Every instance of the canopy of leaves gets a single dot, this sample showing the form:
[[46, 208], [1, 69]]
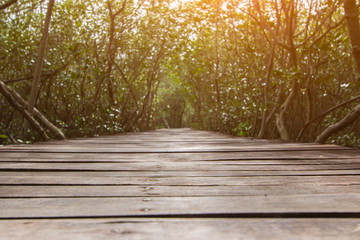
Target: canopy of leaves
[[133, 65]]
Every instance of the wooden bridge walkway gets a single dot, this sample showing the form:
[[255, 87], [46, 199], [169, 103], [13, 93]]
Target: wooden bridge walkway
[[178, 184]]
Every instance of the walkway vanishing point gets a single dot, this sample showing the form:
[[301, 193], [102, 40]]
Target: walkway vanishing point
[[178, 184]]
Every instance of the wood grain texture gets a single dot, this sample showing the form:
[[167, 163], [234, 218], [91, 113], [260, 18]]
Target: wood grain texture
[[173, 206], [136, 186], [194, 229], [340, 155], [41, 191]]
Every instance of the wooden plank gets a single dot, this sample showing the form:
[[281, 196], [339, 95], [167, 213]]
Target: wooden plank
[[193, 173], [170, 149], [171, 166], [175, 173], [41, 191], [210, 162], [167, 143], [241, 159], [156, 206], [165, 229], [89, 179], [103, 157]]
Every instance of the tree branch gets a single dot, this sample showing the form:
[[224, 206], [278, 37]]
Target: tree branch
[[326, 113], [7, 4], [37, 114], [50, 74], [23, 111], [266, 26], [349, 119]]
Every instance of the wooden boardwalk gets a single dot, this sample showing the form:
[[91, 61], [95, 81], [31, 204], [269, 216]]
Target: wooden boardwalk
[[178, 184]]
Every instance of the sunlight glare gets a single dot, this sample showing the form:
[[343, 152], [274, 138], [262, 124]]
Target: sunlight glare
[[177, 3]]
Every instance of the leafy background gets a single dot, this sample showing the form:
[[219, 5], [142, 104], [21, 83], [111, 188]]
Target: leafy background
[[160, 63]]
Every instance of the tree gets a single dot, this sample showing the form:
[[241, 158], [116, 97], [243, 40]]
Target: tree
[[294, 38], [111, 50], [352, 20], [39, 63]]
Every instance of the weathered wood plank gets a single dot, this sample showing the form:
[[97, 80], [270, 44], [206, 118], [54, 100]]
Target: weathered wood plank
[[41, 191], [190, 148], [246, 158], [192, 173], [204, 156], [178, 172], [171, 166], [89, 179], [165, 229], [130, 206], [166, 141]]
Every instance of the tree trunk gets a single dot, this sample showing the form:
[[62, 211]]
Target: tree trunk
[[216, 73], [346, 121], [322, 115], [280, 118], [352, 21], [38, 116], [266, 92], [111, 52], [39, 63], [23, 111]]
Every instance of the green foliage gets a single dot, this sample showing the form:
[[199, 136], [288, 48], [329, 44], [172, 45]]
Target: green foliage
[[348, 140], [4, 139], [200, 64], [242, 130]]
